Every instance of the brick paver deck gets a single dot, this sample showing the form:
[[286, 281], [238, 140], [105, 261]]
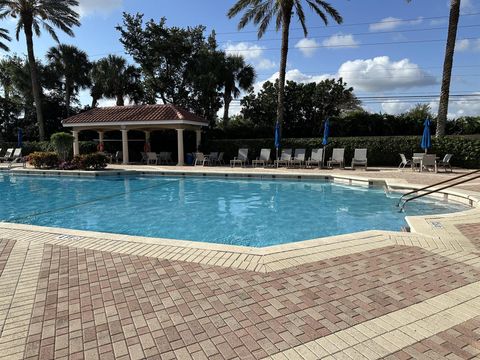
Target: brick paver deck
[[73, 295]]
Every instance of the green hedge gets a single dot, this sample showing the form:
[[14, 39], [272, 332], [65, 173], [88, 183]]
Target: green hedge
[[86, 147], [382, 151]]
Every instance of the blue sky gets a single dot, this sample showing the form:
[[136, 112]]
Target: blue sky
[[392, 50]]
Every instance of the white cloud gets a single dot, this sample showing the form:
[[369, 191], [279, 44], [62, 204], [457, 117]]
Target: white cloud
[[308, 47], [341, 41], [395, 107], [247, 50], [294, 75], [265, 64], [91, 7], [467, 45], [382, 74], [465, 5], [391, 23]]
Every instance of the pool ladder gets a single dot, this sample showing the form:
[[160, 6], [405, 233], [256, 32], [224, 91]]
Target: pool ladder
[[404, 200]]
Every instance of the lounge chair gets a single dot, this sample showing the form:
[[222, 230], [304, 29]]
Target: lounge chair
[[144, 158], [263, 159], [16, 157], [213, 157], [430, 161], [152, 158], [316, 158], [285, 158], [359, 158], [118, 157], [446, 162], [241, 159], [8, 155], [337, 158], [405, 162], [200, 158], [220, 160], [299, 158]]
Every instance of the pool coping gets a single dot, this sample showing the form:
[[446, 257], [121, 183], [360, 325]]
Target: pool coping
[[433, 232]]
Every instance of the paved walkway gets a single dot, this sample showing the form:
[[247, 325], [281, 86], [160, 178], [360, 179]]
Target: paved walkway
[[374, 295]]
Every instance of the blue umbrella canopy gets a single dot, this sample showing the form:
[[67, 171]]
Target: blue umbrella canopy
[[326, 132], [277, 135], [20, 138], [427, 137]]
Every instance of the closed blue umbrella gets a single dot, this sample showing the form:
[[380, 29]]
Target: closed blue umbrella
[[326, 134], [426, 138], [19, 138], [277, 137]]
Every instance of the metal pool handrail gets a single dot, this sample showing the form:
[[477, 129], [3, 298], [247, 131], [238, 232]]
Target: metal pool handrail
[[405, 201]]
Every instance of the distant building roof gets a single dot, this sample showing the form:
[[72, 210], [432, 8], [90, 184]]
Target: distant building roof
[[135, 114]]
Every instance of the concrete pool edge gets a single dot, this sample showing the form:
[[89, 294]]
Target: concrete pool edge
[[434, 232]]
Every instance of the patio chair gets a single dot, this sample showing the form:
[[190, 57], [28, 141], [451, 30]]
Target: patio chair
[[285, 158], [16, 157], [405, 162], [118, 156], [220, 160], [417, 160], [144, 158], [316, 158], [200, 158], [430, 161], [152, 158], [338, 156], [213, 157], [263, 159], [360, 158], [299, 158], [446, 162], [8, 155], [241, 159]]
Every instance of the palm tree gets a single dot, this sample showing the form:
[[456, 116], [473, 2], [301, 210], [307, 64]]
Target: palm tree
[[112, 77], [31, 16], [447, 67], [261, 13], [237, 76], [72, 64], [4, 36]]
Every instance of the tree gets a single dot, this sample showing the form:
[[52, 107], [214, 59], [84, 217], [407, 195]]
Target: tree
[[112, 77], [237, 76], [31, 16], [261, 13], [447, 67], [4, 35], [73, 66]]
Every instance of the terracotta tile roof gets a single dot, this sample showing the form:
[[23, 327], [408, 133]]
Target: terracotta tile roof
[[134, 113]]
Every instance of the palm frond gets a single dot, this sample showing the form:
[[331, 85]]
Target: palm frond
[[301, 16]]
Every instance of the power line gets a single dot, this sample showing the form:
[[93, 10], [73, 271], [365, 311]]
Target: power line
[[352, 24]]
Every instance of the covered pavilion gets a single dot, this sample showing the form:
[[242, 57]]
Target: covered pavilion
[[146, 118]]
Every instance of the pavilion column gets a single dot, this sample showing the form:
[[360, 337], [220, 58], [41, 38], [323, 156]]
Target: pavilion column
[[181, 154], [199, 138], [147, 147], [125, 145], [100, 141], [76, 143]]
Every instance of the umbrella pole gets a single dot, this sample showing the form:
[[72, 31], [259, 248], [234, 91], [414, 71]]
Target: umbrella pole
[[277, 157]]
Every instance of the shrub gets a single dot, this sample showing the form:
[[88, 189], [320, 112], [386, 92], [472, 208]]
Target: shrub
[[382, 151], [95, 161], [62, 143], [43, 160]]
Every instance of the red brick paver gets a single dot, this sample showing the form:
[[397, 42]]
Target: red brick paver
[[471, 232], [93, 304], [6, 247], [459, 342]]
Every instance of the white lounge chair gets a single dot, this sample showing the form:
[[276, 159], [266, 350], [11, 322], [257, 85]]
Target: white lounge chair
[[200, 158], [338, 158], [285, 158], [360, 158], [152, 158], [8, 155], [241, 159], [316, 158], [404, 162], [446, 162], [213, 157], [16, 158], [299, 158], [220, 160], [263, 159], [430, 161], [144, 158]]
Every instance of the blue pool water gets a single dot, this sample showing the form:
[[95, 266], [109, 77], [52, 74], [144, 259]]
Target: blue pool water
[[241, 212]]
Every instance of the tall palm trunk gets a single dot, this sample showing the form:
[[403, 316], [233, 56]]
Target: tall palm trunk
[[35, 83], [68, 96], [227, 99], [120, 101], [447, 67], [286, 18]]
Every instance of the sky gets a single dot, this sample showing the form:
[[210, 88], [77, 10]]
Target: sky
[[388, 51]]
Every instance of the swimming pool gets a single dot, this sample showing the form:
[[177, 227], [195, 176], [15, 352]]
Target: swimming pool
[[249, 212]]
